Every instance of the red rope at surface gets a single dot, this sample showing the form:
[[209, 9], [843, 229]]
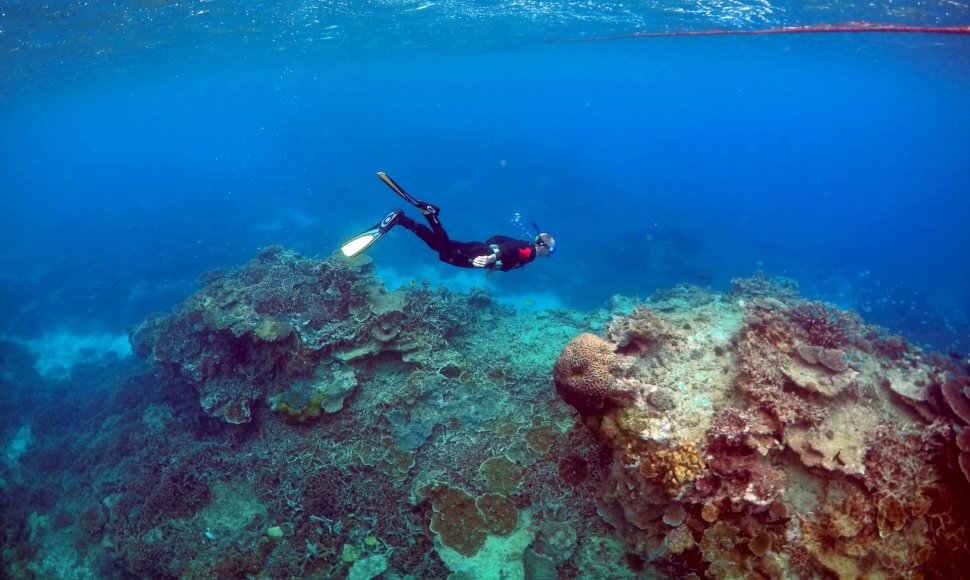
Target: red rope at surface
[[852, 27]]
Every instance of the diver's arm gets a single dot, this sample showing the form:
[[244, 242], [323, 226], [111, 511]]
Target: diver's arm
[[484, 261], [489, 260]]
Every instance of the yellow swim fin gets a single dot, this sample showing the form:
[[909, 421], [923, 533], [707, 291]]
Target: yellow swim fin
[[366, 238]]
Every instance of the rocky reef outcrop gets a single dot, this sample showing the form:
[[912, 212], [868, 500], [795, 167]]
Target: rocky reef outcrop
[[757, 434], [287, 329], [295, 418]]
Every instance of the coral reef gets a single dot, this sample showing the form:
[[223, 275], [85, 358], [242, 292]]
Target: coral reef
[[585, 374], [283, 320], [463, 522], [757, 424], [296, 419]]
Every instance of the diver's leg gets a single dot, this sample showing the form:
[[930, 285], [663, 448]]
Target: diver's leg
[[441, 236], [435, 237], [425, 207]]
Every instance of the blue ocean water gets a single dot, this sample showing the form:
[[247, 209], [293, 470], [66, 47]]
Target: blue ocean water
[[293, 420], [144, 144]]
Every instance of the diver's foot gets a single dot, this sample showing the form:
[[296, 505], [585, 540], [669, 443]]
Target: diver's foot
[[366, 238], [423, 207], [390, 220]]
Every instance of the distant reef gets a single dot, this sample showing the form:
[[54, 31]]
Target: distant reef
[[295, 418]]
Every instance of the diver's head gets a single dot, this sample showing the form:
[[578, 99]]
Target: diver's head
[[545, 245]]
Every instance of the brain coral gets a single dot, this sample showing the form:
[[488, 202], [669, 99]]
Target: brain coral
[[585, 373]]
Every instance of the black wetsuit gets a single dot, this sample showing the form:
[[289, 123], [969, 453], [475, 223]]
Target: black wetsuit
[[512, 253]]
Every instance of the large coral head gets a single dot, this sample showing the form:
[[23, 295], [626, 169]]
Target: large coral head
[[586, 374]]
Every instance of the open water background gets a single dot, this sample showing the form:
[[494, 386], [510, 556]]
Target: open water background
[[143, 143]]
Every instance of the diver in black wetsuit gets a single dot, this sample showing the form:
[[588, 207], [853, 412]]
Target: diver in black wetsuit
[[497, 252]]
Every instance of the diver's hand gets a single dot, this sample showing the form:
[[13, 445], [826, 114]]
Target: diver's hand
[[484, 261]]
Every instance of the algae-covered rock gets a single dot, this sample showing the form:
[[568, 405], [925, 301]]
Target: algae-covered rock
[[367, 568], [326, 391]]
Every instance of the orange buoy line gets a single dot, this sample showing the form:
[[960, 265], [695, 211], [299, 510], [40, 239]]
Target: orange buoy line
[[852, 27]]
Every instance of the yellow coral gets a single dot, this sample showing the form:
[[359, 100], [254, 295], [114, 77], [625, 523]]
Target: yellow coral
[[673, 467], [299, 413], [271, 329]]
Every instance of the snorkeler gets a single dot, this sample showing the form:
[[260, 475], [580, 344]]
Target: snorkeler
[[497, 252]]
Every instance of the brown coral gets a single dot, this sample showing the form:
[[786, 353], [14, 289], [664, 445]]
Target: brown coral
[[541, 438], [721, 547], [499, 514], [760, 543], [679, 540], [457, 521], [237, 413], [92, 523], [955, 391], [573, 470], [832, 358], [825, 325], [585, 373], [501, 475], [761, 361], [463, 522], [748, 480], [891, 516]]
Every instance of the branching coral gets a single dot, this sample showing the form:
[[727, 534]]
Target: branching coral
[[825, 325], [762, 379], [763, 285], [746, 482], [896, 461]]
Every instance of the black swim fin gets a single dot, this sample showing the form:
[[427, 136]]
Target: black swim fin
[[366, 238], [424, 207]]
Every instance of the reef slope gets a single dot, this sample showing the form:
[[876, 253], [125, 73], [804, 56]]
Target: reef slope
[[295, 418]]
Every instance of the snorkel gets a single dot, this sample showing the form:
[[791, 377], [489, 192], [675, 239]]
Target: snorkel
[[544, 239]]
